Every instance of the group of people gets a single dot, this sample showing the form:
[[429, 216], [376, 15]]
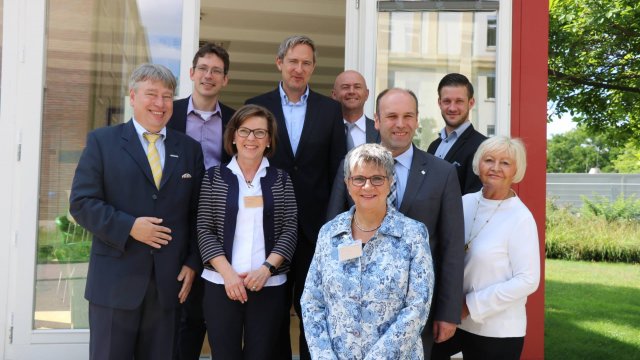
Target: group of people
[[208, 220]]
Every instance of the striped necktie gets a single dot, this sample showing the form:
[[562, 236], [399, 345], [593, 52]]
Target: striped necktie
[[154, 157], [350, 144], [392, 199]]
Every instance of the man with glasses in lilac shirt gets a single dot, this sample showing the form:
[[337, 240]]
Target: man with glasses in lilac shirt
[[203, 117]]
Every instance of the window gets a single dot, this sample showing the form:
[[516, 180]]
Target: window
[[491, 87], [492, 27]]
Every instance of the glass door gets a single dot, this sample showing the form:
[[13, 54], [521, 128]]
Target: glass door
[[87, 51]]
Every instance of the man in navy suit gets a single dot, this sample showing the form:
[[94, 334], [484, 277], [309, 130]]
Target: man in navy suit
[[203, 117], [136, 189], [350, 90], [458, 141], [427, 191], [311, 143]]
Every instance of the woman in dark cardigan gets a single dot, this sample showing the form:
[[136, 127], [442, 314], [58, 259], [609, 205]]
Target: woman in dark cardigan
[[247, 223]]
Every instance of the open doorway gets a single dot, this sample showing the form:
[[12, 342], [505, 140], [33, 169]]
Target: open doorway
[[251, 32]]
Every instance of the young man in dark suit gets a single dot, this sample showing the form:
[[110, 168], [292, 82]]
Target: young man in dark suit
[[350, 90], [311, 144], [203, 117], [458, 141], [136, 189], [427, 191]]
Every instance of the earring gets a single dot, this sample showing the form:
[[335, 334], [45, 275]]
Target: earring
[[268, 146], [234, 143]]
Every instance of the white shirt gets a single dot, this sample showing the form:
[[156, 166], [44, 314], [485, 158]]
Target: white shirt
[[402, 167], [359, 131], [501, 267], [145, 144], [248, 242]]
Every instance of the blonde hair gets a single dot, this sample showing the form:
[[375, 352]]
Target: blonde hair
[[513, 147]]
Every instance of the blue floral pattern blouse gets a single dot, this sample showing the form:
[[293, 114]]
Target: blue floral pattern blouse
[[373, 306]]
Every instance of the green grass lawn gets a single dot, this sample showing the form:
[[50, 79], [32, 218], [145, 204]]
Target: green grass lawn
[[592, 310]]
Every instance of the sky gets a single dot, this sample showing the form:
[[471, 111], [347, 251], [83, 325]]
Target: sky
[[560, 125]]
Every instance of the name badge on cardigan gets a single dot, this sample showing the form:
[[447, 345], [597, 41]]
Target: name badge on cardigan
[[350, 251], [253, 201]]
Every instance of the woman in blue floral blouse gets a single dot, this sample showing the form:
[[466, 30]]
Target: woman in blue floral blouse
[[369, 287]]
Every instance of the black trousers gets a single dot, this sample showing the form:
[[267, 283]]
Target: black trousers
[[191, 327], [301, 263], [476, 347], [243, 331], [146, 332]]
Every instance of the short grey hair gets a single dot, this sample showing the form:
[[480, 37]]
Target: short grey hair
[[371, 154], [153, 72], [293, 41], [513, 147]]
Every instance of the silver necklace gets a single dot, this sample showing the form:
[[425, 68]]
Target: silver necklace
[[249, 184], [355, 220], [473, 223]]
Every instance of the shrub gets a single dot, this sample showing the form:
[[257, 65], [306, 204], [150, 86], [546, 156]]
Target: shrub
[[593, 236]]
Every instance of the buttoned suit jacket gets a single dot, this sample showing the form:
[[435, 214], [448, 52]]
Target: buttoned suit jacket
[[313, 167], [461, 155], [178, 121], [432, 196], [112, 186]]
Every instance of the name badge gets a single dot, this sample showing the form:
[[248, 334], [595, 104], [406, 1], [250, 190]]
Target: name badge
[[350, 251], [253, 201]]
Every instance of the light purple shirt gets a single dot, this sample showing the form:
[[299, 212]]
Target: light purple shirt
[[206, 128]]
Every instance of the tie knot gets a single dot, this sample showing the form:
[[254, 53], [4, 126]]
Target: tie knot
[[151, 138], [349, 125]]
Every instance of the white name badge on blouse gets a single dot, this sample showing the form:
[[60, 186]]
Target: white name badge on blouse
[[350, 251], [253, 201]]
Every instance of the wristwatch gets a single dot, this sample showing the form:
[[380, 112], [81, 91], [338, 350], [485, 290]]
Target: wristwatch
[[272, 269]]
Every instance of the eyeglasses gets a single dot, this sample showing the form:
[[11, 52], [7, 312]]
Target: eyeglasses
[[375, 180], [258, 133], [213, 71]]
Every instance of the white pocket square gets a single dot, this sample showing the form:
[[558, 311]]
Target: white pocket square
[[186, 176]]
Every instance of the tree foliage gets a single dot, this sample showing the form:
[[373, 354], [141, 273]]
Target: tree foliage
[[577, 152], [594, 65]]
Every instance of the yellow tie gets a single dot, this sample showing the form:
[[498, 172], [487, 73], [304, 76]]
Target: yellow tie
[[154, 157]]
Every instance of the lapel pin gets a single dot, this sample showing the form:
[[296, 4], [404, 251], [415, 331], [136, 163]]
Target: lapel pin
[[423, 172], [186, 175]]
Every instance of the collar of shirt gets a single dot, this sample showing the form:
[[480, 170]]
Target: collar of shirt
[[388, 226], [285, 98], [140, 130], [235, 168], [360, 123], [455, 134], [192, 109], [405, 158]]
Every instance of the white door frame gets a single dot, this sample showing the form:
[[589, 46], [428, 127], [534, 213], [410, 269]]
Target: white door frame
[[23, 81]]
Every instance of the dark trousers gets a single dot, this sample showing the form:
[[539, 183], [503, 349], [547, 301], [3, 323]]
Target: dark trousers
[[191, 327], [301, 262], [146, 332], [476, 347], [243, 331], [427, 337]]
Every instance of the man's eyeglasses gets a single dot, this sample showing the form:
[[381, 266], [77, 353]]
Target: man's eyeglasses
[[258, 133], [375, 180], [213, 71]]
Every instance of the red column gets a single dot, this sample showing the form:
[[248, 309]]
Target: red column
[[528, 121]]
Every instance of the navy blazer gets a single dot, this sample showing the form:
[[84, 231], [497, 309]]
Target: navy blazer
[[432, 197], [372, 134], [461, 155], [113, 186], [313, 168], [178, 121]]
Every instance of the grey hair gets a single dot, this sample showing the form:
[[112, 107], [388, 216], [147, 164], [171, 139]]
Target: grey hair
[[513, 147], [153, 72], [293, 41], [371, 154]]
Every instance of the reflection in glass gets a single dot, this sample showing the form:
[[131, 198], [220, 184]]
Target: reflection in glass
[[417, 48], [92, 46]]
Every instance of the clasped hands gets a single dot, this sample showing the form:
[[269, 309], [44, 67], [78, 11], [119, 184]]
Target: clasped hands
[[236, 285]]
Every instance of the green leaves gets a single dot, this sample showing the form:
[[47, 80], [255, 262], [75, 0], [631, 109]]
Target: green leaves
[[594, 64]]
